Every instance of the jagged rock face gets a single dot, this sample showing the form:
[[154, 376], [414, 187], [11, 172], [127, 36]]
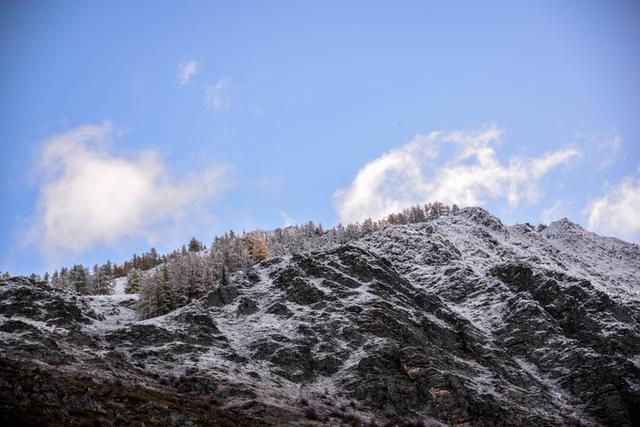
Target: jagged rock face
[[459, 321]]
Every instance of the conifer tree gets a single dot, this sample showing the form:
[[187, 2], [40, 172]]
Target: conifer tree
[[167, 297], [79, 280], [188, 273], [195, 245], [63, 279], [133, 282], [149, 301], [101, 281]]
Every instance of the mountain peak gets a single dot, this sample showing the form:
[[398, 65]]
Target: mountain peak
[[455, 320], [482, 217]]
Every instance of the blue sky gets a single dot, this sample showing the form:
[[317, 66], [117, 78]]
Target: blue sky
[[192, 118]]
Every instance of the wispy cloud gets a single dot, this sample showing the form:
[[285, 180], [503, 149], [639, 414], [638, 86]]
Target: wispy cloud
[[553, 212], [608, 148], [616, 213], [216, 95], [90, 196], [186, 70], [286, 219], [602, 148], [414, 173]]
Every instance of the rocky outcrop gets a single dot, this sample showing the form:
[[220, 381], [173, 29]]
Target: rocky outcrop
[[460, 321]]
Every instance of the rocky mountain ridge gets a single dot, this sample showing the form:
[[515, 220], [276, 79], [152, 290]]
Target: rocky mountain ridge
[[456, 321]]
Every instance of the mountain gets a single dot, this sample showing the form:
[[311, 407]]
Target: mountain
[[456, 321]]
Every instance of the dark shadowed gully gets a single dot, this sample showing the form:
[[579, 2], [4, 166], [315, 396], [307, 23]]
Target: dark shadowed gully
[[458, 321]]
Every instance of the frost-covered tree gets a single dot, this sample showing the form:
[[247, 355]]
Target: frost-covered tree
[[150, 259], [438, 209], [79, 280], [133, 282], [229, 252], [416, 214], [101, 280], [151, 300], [155, 297], [239, 258], [167, 293], [108, 268], [188, 277], [61, 280], [275, 242], [195, 245], [55, 279]]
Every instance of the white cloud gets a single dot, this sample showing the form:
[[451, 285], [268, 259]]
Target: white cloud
[[90, 196], [617, 212], [216, 96], [410, 175], [186, 70]]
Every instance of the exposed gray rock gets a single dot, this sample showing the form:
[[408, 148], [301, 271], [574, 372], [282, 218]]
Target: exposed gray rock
[[221, 296], [247, 306]]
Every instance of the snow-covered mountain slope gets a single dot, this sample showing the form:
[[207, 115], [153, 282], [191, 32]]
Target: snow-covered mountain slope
[[118, 285], [458, 321]]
